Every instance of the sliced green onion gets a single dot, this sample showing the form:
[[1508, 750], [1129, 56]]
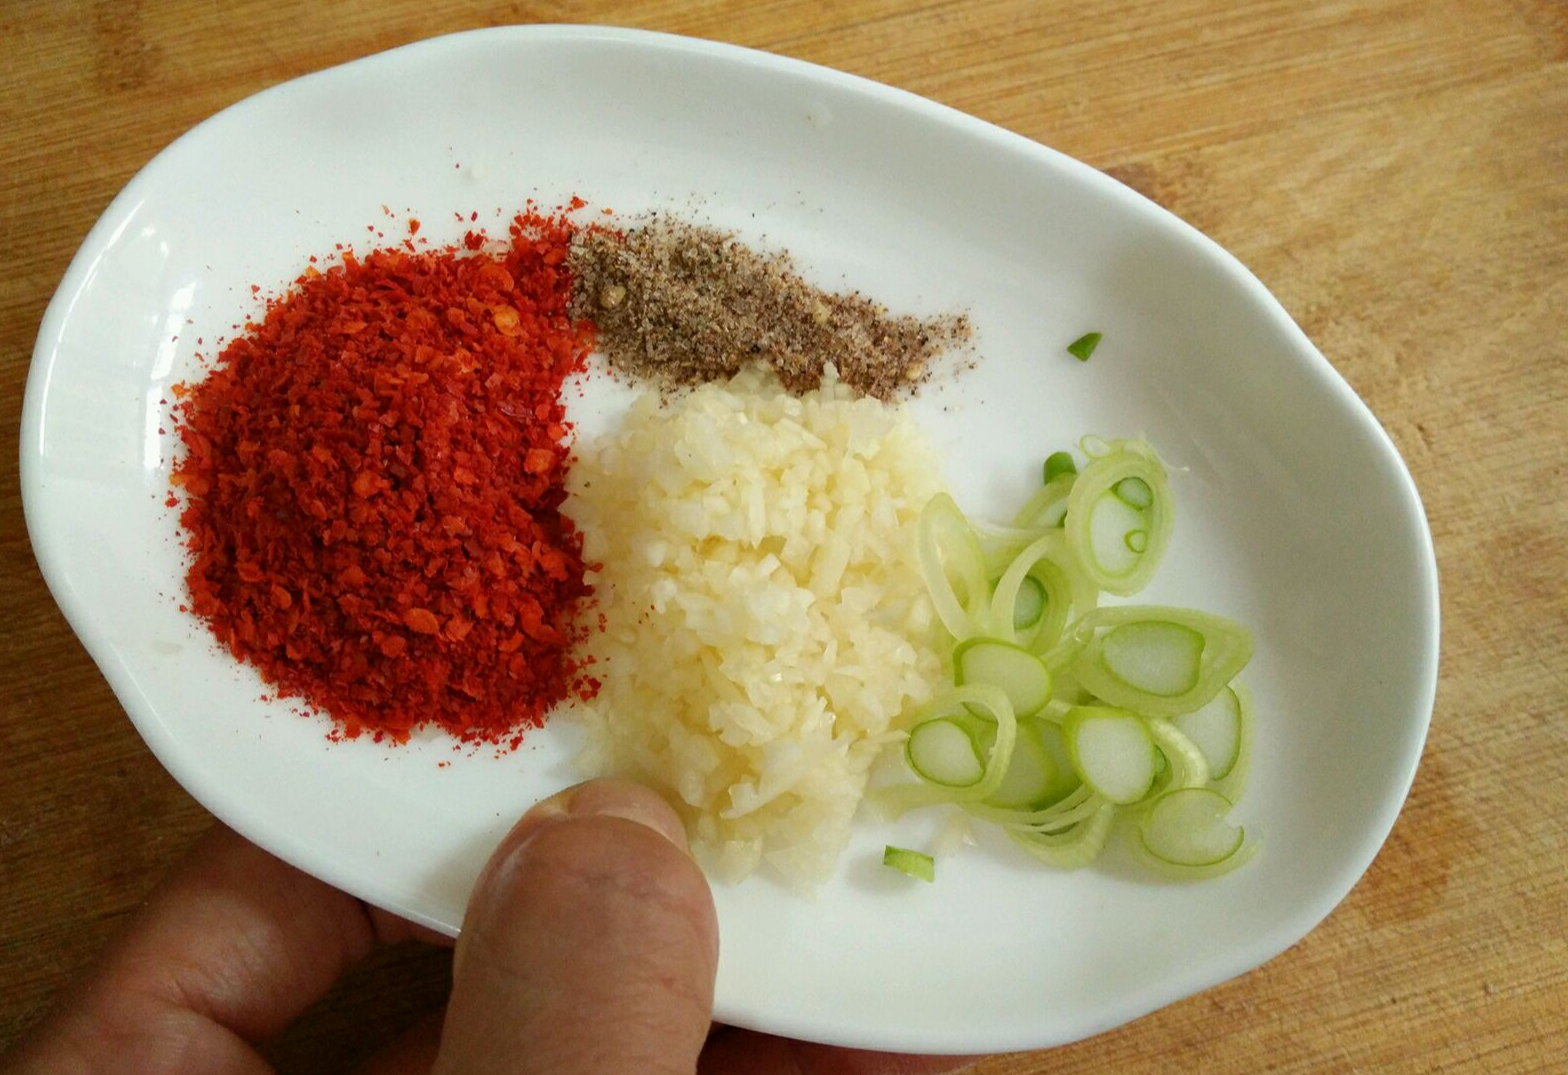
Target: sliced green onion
[[948, 548], [916, 864], [1095, 446], [1047, 508], [1187, 827], [1058, 463], [1057, 708], [1157, 656], [1074, 848], [1066, 812], [1058, 727], [1233, 783], [1020, 674], [1041, 773], [1110, 522], [1175, 662], [1142, 856], [1111, 750], [1000, 553], [1004, 729], [1185, 765], [945, 751], [1123, 491], [1084, 345], [1216, 729], [1060, 816], [1030, 605], [1067, 592], [1060, 657]]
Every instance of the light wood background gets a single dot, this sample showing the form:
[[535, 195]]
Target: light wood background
[[1396, 172]]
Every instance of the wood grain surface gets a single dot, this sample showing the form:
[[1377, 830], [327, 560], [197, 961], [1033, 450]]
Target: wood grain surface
[[1397, 173]]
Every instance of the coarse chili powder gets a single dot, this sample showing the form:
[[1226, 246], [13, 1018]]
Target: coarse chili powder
[[373, 481]]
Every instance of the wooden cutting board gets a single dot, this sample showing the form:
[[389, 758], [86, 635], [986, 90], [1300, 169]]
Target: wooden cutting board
[[1397, 173]]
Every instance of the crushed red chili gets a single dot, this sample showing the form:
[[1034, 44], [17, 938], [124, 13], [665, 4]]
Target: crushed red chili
[[373, 482]]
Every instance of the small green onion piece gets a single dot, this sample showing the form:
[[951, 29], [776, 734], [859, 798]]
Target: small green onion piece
[[1030, 604], [1187, 827], [1084, 346], [916, 864], [1135, 491], [1059, 463], [1137, 540]]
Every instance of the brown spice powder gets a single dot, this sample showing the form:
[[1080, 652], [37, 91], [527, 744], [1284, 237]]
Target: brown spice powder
[[682, 304]]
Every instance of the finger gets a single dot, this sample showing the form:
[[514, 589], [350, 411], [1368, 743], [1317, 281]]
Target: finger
[[590, 945], [229, 948], [740, 1052]]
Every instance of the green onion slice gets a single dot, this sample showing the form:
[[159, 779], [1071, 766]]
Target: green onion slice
[[1029, 605], [1120, 516], [1058, 463], [916, 864], [1047, 508], [1040, 775], [1084, 345], [1216, 729], [1063, 814], [1187, 828], [1074, 848], [1157, 660], [1020, 674], [1004, 731], [1234, 783], [946, 751], [1111, 750], [1067, 592], [949, 550], [1185, 765]]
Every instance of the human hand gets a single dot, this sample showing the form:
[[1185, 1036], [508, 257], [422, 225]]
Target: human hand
[[589, 946]]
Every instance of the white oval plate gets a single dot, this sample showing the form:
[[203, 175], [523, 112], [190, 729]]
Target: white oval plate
[[1297, 515]]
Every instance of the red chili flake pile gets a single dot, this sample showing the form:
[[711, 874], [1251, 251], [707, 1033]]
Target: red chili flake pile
[[373, 481]]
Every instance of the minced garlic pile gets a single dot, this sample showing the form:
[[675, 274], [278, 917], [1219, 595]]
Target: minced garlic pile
[[766, 622]]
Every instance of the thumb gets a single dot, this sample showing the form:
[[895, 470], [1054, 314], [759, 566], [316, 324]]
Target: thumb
[[589, 945]]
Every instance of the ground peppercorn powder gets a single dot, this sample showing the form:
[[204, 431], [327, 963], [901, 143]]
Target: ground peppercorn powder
[[682, 304]]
